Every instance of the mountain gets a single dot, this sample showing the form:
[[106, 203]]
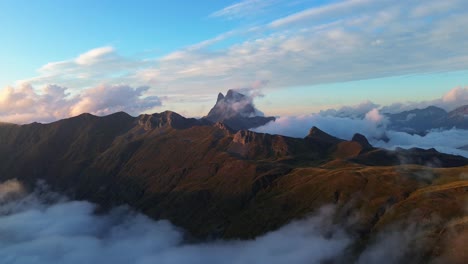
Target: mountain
[[459, 117], [419, 121], [217, 182], [464, 147], [237, 111]]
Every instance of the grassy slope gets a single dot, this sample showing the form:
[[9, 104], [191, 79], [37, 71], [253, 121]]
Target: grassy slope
[[216, 183]]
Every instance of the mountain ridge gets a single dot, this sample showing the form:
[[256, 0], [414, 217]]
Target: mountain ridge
[[420, 121], [217, 182]]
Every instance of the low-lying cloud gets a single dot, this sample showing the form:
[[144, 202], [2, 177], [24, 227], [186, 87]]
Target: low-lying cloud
[[43, 227], [24, 104], [374, 127], [298, 126]]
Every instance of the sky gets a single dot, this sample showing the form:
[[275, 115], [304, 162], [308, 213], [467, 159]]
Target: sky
[[61, 58]]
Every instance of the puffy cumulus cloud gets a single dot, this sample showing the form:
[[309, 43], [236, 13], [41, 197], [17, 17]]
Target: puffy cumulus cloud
[[104, 100], [38, 229], [23, 104], [455, 97]]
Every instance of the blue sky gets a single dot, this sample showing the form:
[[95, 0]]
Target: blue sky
[[303, 55]]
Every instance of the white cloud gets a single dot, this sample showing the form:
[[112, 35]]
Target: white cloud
[[333, 9], [374, 127], [376, 41], [91, 68], [104, 100], [246, 8], [447, 141], [341, 127], [24, 104], [355, 111], [37, 230], [95, 55], [454, 98], [437, 7], [335, 42]]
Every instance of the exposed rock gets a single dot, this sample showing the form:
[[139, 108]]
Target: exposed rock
[[362, 140], [237, 111]]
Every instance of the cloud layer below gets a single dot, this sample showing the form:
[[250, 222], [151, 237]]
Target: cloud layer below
[[44, 227], [366, 120]]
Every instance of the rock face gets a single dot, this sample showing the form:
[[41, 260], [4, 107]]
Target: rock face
[[362, 140], [219, 183], [237, 111], [168, 119]]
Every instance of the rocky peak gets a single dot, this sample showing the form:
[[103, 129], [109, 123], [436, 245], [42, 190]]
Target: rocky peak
[[244, 136], [220, 97], [362, 140], [319, 135], [232, 105], [237, 111]]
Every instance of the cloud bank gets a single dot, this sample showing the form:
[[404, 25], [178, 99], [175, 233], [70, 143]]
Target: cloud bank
[[24, 104], [367, 119], [43, 227], [374, 127]]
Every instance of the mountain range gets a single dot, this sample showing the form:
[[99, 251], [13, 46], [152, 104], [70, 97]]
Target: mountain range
[[419, 121], [218, 181]]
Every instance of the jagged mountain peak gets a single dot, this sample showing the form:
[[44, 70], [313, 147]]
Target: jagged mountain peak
[[237, 111], [316, 132], [362, 140], [231, 105], [220, 97]]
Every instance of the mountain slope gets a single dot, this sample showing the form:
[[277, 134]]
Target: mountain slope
[[220, 183]]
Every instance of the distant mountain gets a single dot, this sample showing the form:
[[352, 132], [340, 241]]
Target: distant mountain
[[237, 111], [459, 117], [419, 121], [464, 147]]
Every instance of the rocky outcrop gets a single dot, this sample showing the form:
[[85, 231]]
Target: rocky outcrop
[[237, 111]]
